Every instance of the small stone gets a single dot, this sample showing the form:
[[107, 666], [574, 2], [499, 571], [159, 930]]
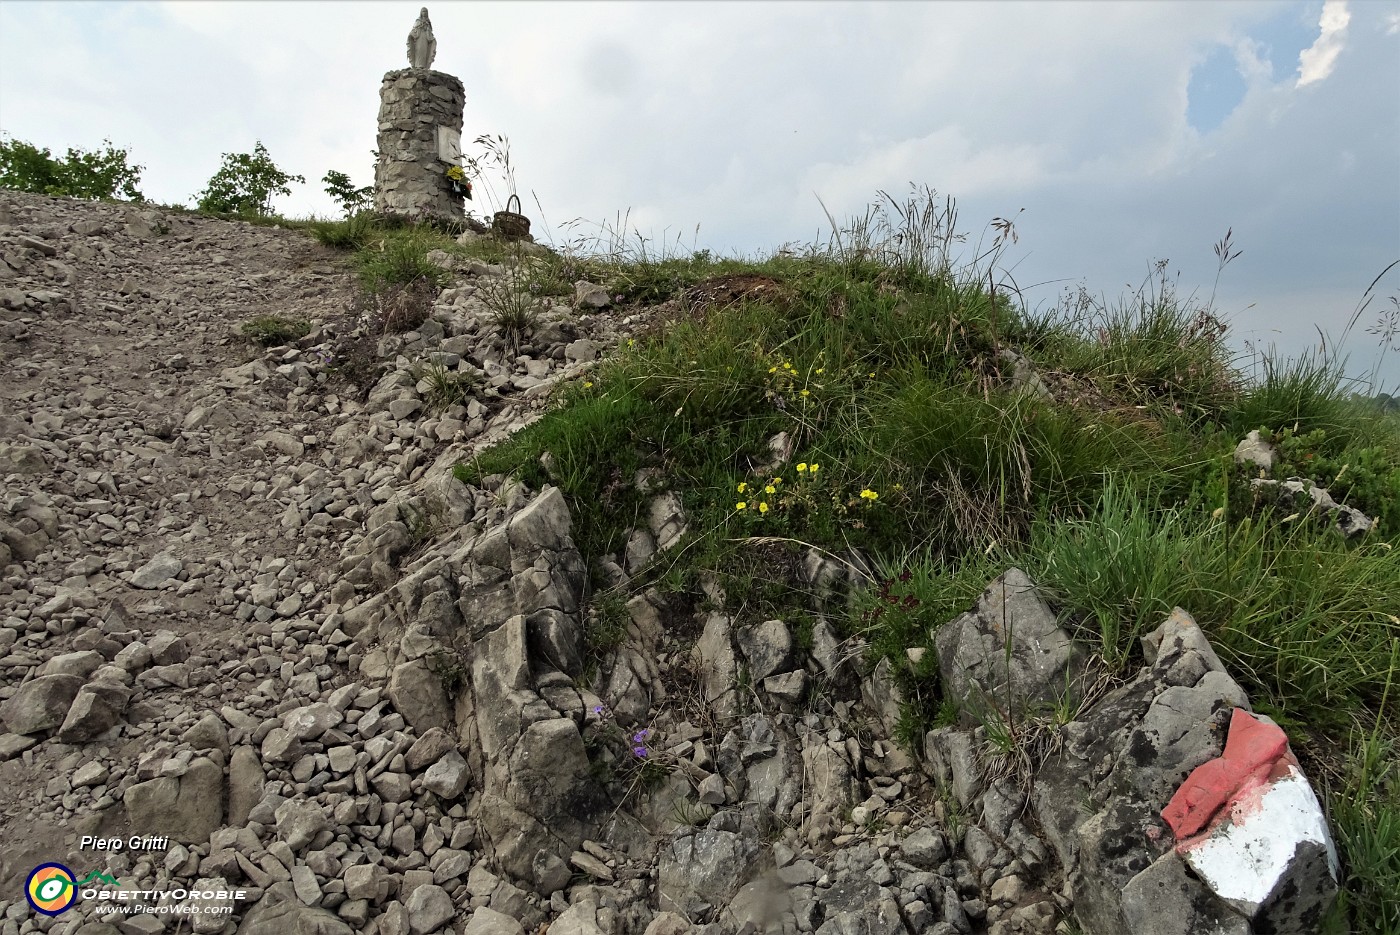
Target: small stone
[[280, 746], [591, 295], [208, 733], [1008, 890], [428, 749], [448, 776], [365, 881], [305, 885], [300, 823], [591, 865], [392, 787], [487, 921], [311, 721], [343, 759], [925, 849], [712, 790], [168, 648], [1254, 450], [156, 572], [40, 704], [90, 774], [429, 909], [97, 708]]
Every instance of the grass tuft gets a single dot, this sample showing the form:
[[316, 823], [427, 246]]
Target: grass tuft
[[353, 233], [400, 257], [272, 330]]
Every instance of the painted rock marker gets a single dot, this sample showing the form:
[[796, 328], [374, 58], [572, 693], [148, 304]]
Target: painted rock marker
[[1251, 748], [1250, 826]]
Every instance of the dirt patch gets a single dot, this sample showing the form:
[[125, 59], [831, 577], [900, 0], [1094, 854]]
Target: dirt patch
[[716, 294]]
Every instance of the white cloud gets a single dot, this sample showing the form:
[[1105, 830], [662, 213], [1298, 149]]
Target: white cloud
[[732, 115], [1317, 62], [965, 168], [1254, 67]]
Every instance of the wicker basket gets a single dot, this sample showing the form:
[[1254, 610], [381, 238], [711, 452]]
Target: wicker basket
[[508, 224]]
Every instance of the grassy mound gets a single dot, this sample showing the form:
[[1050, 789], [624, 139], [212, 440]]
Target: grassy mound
[[918, 440]]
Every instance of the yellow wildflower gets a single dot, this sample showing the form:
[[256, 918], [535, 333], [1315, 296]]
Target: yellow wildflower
[[588, 384], [777, 480], [741, 505], [806, 392], [868, 494], [762, 506], [820, 371], [770, 489], [742, 486], [814, 468], [802, 468]]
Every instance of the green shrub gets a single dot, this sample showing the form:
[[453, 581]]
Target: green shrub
[[394, 307], [1303, 393], [245, 184], [1152, 350], [985, 466], [352, 200], [80, 174], [606, 628], [1367, 479], [595, 455], [1365, 814], [1304, 620]]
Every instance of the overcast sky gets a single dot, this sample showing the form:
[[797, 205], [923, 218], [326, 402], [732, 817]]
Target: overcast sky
[[1128, 132]]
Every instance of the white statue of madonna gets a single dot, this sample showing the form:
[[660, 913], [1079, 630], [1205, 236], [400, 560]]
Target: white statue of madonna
[[422, 47]]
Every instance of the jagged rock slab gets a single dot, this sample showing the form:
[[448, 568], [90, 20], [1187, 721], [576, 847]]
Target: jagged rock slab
[[1008, 651]]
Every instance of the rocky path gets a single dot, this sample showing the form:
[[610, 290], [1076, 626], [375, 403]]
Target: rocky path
[[184, 516], [149, 526]]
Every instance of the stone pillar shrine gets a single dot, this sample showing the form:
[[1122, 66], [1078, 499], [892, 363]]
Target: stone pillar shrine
[[420, 135]]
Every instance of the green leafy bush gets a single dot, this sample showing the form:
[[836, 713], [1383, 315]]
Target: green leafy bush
[[352, 199], [80, 174], [245, 184], [1365, 478]]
